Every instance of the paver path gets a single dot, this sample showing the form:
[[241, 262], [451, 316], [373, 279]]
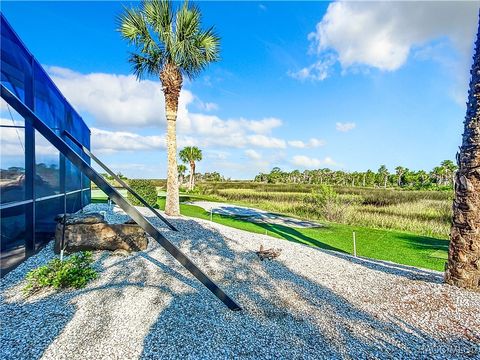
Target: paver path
[[252, 214]]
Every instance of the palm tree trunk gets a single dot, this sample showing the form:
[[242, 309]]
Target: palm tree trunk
[[463, 268], [171, 80], [172, 206], [192, 174]]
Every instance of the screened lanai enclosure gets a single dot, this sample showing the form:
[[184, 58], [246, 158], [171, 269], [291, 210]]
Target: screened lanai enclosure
[[37, 182], [45, 164]]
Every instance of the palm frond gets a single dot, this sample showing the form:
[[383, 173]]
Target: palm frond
[[160, 38], [146, 65], [134, 29], [159, 15]]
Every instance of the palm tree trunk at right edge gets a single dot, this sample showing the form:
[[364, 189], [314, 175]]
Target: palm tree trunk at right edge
[[464, 252], [172, 206]]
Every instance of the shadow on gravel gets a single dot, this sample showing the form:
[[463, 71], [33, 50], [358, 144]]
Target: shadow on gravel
[[29, 326], [405, 271], [276, 321], [293, 235], [286, 315]]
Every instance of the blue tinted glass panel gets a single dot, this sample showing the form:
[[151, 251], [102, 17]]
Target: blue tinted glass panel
[[15, 62], [86, 197], [74, 202], [47, 167], [45, 213], [49, 104], [12, 164], [13, 230], [8, 115], [73, 176]]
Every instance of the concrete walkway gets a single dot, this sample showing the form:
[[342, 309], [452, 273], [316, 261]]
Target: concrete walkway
[[252, 214]]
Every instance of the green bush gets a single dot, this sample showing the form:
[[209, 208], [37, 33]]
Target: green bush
[[74, 272], [326, 203], [146, 189]]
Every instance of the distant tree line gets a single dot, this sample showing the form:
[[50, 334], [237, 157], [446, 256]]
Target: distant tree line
[[212, 176], [441, 176]]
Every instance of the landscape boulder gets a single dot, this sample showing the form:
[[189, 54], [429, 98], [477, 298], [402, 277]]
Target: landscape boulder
[[92, 232]]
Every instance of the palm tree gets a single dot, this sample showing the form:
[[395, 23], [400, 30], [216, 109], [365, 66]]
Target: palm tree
[[437, 173], [189, 155], [383, 173], [400, 170], [181, 173], [170, 45], [463, 268], [449, 168], [422, 176]]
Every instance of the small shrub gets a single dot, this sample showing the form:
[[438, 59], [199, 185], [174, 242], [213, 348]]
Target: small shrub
[[320, 196], [146, 189], [326, 202], [74, 272]]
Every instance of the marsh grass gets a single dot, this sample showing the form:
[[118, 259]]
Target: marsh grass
[[421, 212]]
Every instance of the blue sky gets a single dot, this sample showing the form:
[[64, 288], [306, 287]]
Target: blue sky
[[299, 85]]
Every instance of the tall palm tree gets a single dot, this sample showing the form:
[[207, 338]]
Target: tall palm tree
[[190, 155], [169, 44], [463, 268]]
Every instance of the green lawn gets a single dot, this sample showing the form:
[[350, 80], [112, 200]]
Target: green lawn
[[399, 247]]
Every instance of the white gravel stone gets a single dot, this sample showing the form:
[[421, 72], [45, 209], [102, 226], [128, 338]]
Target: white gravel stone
[[306, 304]]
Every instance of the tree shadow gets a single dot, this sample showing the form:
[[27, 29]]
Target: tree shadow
[[406, 271], [157, 309], [274, 321]]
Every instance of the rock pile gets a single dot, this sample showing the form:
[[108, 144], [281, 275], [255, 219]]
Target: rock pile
[[92, 232]]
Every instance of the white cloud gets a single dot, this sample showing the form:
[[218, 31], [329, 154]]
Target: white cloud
[[252, 154], [344, 127], [312, 143], [116, 100], [122, 102], [306, 162], [217, 155], [318, 71], [13, 144], [266, 142], [263, 126], [208, 106], [382, 34], [111, 141], [13, 140]]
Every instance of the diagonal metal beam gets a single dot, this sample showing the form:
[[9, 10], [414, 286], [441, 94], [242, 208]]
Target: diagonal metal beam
[[85, 168], [118, 179]]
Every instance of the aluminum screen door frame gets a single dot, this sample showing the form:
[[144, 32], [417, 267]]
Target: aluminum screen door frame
[[85, 168]]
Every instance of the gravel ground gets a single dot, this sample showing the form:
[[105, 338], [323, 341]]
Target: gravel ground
[[252, 214], [306, 304]]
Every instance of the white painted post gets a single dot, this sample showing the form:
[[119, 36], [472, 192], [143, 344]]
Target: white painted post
[[354, 245], [61, 255]]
